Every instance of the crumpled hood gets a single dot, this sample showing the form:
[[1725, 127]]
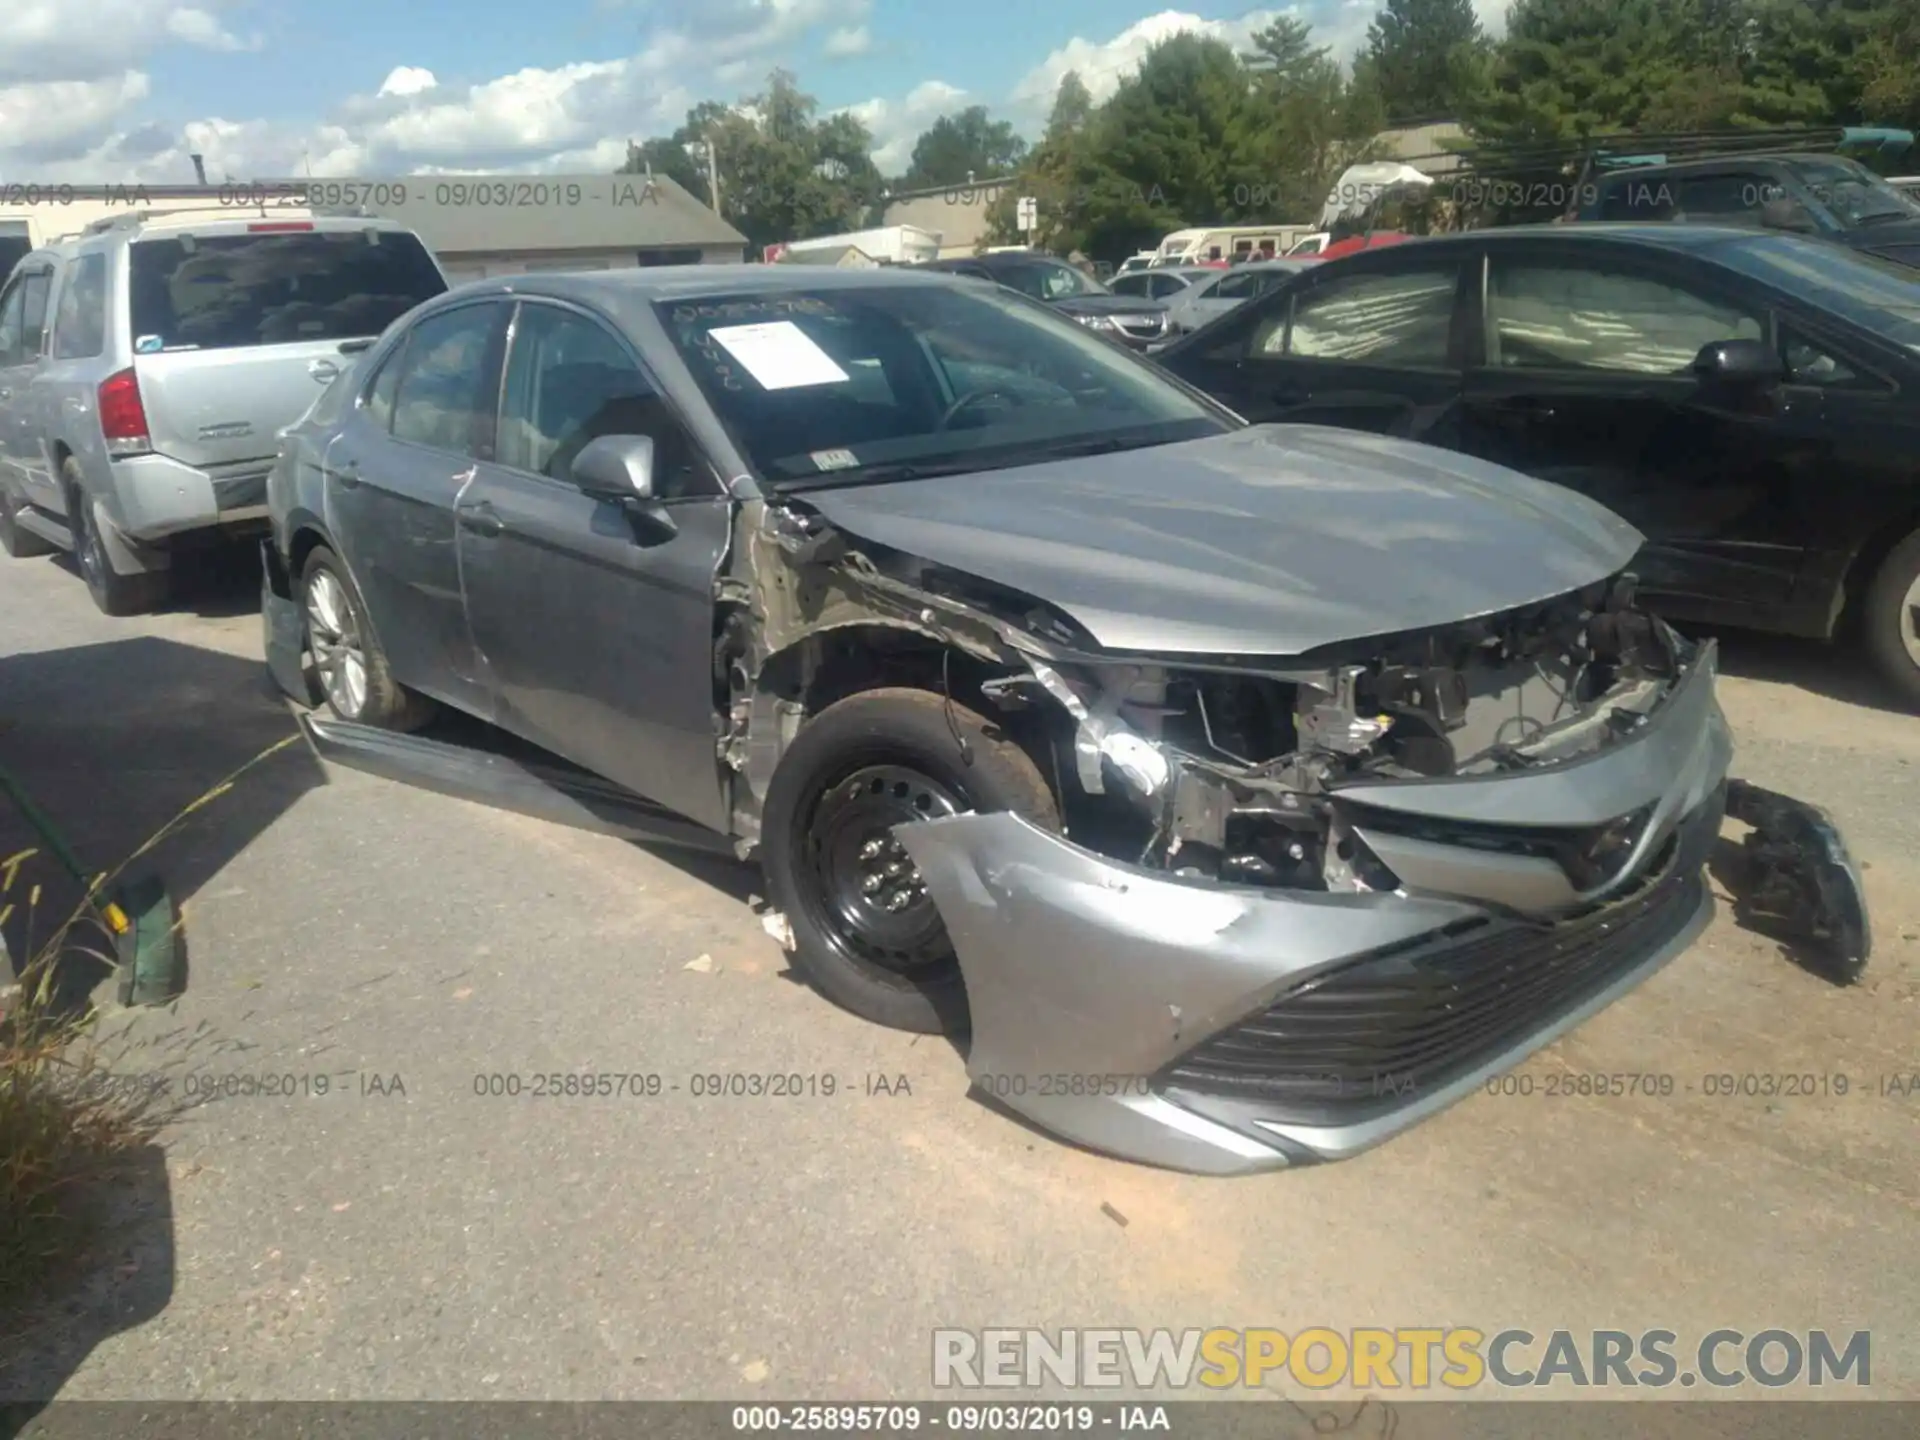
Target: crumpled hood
[[1272, 540]]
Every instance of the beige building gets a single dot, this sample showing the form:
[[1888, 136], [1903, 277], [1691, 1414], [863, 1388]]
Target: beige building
[[956, 213], [1424, 147], [477, 225]]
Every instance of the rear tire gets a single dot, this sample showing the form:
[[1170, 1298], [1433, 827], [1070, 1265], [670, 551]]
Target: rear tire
[[355, 678], [865, 934], [21, 544], [1891, 619], [113, 593]]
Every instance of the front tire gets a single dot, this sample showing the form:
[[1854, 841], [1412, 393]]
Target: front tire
[[354, 675], [1892, 619], [866, 935]]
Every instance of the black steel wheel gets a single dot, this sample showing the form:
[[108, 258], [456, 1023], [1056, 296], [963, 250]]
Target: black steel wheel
[[868, 899], [865, 932]]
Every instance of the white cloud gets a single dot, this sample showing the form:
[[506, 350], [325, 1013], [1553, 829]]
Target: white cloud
[[62, 119], [1103, 64], [577, 116], [46, 40], [853, 40], [896, 124], [407, 80], [198, 27]]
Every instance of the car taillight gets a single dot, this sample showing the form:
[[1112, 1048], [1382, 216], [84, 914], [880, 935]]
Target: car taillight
[[123, 419], [279, 227]]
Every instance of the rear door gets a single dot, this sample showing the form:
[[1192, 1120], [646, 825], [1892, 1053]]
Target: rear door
[[236, 328], [1376, 347], [1584, 378], [393, 475]]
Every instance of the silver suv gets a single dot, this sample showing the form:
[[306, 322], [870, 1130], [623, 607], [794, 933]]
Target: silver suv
[[148, 363]]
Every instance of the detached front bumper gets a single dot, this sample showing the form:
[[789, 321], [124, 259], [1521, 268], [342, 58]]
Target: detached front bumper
[[1225, 1029]]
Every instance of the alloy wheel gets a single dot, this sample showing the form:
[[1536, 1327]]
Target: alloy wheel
[[89, 550], [333, 638], [868, 898]]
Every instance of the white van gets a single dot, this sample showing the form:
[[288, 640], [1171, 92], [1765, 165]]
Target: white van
[[1227, 244]]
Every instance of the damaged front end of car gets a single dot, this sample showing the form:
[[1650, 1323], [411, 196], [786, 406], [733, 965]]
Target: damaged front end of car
[[1298, 903]]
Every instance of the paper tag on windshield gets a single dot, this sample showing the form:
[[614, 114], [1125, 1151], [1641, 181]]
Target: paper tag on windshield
[[779, 355], [834, 459]]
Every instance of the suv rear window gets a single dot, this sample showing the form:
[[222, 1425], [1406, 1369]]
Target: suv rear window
[[215, 292]]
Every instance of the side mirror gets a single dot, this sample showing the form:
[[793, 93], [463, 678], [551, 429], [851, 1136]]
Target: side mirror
[[1785, 213], [616, 468], [1739, 362]]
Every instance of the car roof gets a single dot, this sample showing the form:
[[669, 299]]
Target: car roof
[[1664, 236], [138, 225], [1716, 163], [692, 282]]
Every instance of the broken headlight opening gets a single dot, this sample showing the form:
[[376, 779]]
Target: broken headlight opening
[[1231, 771]]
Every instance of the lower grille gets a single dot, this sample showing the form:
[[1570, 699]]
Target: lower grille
[[1379, 1031]]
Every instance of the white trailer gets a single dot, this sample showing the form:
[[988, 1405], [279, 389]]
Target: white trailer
[[891, 244]]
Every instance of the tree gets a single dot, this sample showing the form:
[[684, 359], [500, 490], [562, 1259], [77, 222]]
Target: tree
[[1317, 121], [955, 147], [784, 173], [1424, 55]]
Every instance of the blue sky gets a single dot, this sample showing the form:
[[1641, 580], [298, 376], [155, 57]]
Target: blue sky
[[122, 91]]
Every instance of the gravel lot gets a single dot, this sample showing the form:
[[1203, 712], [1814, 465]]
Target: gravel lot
[[441, 1244]]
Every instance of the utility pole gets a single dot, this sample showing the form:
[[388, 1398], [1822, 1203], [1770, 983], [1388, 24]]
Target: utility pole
[[713, 173]]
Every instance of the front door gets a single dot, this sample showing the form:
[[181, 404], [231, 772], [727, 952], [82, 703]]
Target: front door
[[1367, 350], [596, 620], [392, 476], [1587, 382]]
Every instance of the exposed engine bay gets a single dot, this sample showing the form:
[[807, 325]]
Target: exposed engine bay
[[1220, 768]]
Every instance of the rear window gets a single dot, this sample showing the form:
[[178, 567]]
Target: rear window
[[221, 291]]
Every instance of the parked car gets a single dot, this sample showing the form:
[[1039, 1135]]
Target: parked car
[[1134, 322], [1162, 283], [148, 363], [1826, 195], [1219, 293], [1745, 398], [1907, 185], [1371, 765]]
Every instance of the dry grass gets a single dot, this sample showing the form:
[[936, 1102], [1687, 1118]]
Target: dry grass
[[66, 1121]]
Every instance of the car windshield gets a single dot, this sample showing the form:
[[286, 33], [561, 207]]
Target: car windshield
[[1049, 280], [899, 381], [1857, 195], [1880, 296]]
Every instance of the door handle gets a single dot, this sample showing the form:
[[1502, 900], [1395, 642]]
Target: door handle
[[1527, 407], [323, 370], [482, 519]]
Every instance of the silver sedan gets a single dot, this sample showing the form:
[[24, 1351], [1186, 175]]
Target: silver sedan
[[1249, 792]]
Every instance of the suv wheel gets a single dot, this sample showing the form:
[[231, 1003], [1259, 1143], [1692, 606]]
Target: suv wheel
[[112, 592], [1892, 619], [21, 544]]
